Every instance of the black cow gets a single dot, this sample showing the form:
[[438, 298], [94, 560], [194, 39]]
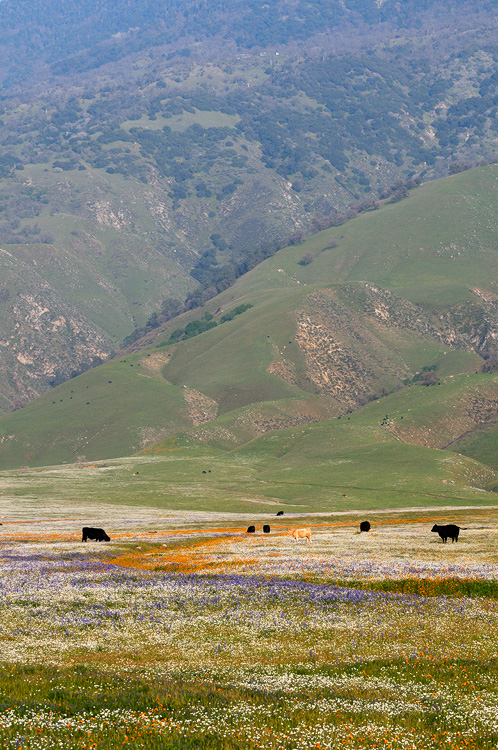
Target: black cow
[[280, 513], [251, 530], [95, 535], [365, 526], [266, 529], [450, 531]]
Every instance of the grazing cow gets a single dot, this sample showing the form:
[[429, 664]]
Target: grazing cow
[[280, 513], [300, 534], [450, 531], [96, 535], [251, 530], [365, 526], [266, 529]]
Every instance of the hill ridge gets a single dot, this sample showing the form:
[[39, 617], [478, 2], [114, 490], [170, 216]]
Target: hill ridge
[[378, 379]]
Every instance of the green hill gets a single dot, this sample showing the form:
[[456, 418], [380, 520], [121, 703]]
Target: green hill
[[438, 416], [481, 442], [385, 450], [142, 170], [351, 371], [112, 410], [433, 248], [357, 462]]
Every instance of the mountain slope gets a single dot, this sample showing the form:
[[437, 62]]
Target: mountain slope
[[292, 345], [153, 151]]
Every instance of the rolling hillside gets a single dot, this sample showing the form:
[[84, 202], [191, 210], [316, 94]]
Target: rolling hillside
[[367, 367], [353, 463], [152, 152]]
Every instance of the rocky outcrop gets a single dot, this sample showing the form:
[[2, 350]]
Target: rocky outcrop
[[352, 339], [49, 341]]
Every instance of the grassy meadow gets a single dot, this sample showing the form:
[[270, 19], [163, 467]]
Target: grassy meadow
[[316, 469], [184, 631]]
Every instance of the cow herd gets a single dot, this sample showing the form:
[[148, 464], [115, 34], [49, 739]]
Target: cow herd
[[252, 529], [450, 531]]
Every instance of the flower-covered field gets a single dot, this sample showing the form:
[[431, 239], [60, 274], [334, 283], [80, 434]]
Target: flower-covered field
[[186, 633]]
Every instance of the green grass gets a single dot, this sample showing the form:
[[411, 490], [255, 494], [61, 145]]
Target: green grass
[[81, 694], [323, 468], [108, 411], [229, 363], [162, 712], [481, 444], [233, 364], [371, 461], [313, 462], [431, 247], [455, 587], [362, 452]]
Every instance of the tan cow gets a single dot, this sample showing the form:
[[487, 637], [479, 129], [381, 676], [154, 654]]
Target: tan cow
[[300, 534]]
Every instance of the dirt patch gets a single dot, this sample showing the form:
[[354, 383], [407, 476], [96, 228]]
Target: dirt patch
[[283, 370], [270, 424], [201, 408], [156, 361], [483, 409], [107, 217], [150, 436]]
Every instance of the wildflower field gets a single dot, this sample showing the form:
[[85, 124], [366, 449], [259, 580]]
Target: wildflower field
[[185, 632]]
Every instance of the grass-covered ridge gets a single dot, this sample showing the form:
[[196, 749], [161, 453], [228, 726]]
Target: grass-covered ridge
[[349, 336]]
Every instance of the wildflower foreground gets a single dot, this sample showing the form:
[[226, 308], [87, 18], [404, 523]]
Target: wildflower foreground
[[212, 639]]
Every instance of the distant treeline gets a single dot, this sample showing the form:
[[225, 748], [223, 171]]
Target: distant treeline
[[172, 308], [81, 35]]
